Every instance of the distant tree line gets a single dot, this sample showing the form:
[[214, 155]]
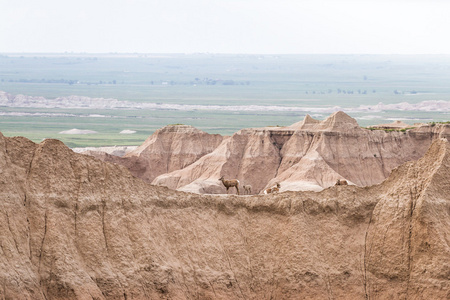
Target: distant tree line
[[341, 91], [197, 81], [359, 92], [209, 81], [413, 92], [62, 81]]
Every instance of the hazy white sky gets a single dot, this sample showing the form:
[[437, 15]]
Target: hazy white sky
[[226, 26]]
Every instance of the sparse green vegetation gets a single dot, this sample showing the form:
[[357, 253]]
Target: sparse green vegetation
[[434, 123], [390, 129]]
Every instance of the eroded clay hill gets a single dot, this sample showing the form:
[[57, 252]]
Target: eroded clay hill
[[73, 227], [170, 148], [309, 155]]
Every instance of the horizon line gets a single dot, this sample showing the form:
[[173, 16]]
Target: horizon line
[[217, 53]]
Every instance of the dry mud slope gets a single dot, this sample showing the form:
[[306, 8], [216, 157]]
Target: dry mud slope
[[73, 227]]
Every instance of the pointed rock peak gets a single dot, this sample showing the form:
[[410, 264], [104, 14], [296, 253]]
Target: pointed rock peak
[[341, 117], [307, 122], [338, 120]]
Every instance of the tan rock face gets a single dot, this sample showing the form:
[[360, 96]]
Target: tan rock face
[[408, 228], [309, 155], [73, 227]]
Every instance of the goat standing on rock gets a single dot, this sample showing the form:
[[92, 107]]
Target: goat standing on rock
[[247, 189], [230, 183]]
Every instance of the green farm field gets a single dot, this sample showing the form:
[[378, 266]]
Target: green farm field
[[215, 93]]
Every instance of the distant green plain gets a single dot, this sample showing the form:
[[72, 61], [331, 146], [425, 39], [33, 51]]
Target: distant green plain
[[313, 82]]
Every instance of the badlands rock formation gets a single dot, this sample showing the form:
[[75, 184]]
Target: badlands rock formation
[[170, 148], [73, 227], [309, 155]]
